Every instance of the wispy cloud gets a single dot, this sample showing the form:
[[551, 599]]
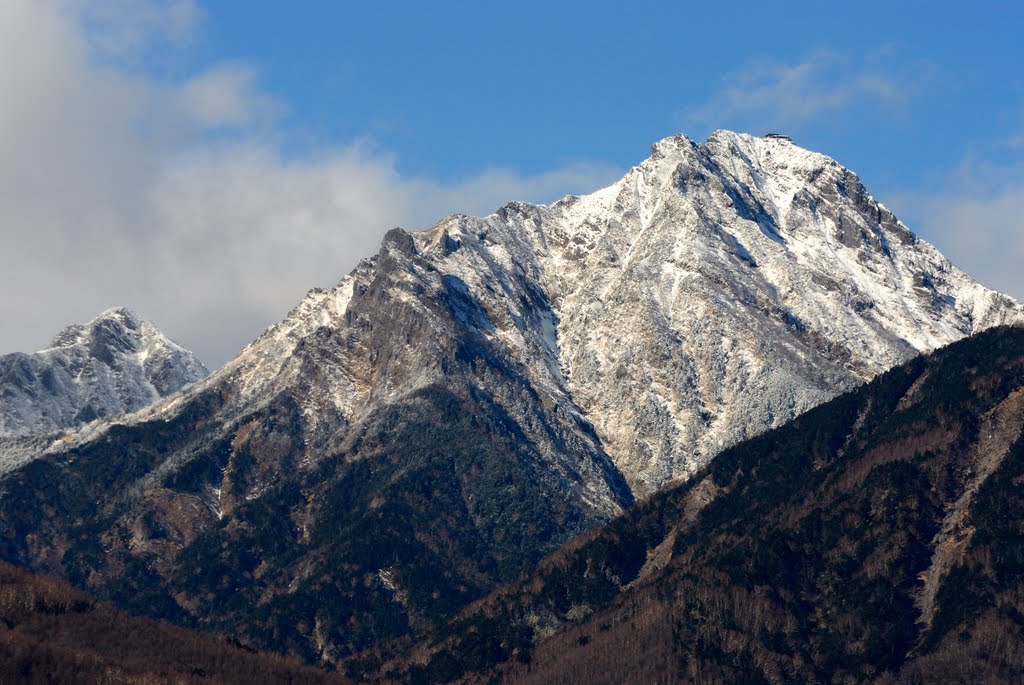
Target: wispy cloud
[[227, 96], [129, 29], [175, 198], [768, 95]]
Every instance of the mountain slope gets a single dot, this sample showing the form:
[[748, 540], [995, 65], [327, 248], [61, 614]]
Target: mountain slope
[[115, 364], [245, 506], [719, 290], [874, 539], [477, 393], [52, 633]]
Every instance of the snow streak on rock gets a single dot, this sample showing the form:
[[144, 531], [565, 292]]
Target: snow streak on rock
[[714, 292], [116, 363]]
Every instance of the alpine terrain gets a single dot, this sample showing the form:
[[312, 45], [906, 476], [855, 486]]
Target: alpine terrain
[[875, 539], [115, 364], [52, 633], [477, 393]]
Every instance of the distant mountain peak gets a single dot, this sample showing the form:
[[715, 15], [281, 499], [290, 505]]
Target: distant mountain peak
[[477, 393], [116, 363], [717, 290]]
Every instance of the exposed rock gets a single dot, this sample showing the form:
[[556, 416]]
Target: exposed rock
[[115, 364], [477, 393]]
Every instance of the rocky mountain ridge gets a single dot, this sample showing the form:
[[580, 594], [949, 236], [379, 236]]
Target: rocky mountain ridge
[[477, 393], [714, 292], [115, 364], [874, 539]]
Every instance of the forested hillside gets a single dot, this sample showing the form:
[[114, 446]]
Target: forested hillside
[[877, 538]]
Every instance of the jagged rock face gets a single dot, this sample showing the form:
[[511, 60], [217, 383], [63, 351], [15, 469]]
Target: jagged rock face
[[115, 364], [874, 539], [714, 292], [477, 393]]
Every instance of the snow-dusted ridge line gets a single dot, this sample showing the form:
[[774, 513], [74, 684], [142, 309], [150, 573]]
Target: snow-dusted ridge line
[[114, 364], [714, 292], [719, 289]]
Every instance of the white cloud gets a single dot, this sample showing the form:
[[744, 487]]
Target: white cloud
[[771, 96], [227, 95], [116, 188], [129, 28]]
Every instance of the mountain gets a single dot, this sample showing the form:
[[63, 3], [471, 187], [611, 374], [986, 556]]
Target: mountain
[[478, 393], [875, 539], [115, 364], [53, 633]]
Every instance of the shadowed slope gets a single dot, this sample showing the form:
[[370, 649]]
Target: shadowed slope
[[875, 538], [52, 633], [474, 395]]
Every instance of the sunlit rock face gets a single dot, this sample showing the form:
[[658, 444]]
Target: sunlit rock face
[[714, 292], [477, 393], [115, 364]]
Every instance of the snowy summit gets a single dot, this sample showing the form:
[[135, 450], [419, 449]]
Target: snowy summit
[[716, 291], [116, 363], [476, 394]]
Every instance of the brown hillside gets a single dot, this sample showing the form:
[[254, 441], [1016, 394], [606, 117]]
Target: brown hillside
[[52, 633], [876, 539]]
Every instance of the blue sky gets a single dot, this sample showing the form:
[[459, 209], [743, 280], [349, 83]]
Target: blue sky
[[895, 90], [207, 163]]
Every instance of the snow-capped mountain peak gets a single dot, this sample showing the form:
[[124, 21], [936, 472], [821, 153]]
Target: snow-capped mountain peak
[[114, 364], [715, 291], [479, 392]]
